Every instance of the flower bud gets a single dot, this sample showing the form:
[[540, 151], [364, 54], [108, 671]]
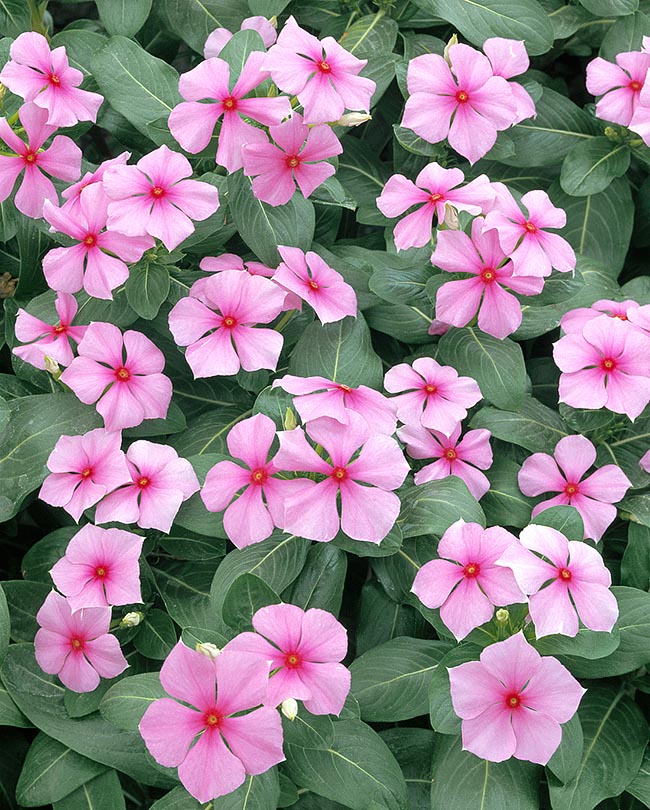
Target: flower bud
[[208, 649], [132, 619], [289, 708], [290, 421], [451, 222], [52, 367], [502, 616], [352, 119], [3, 93], [452, 41]]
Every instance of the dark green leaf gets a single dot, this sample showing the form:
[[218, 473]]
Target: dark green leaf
[[104, 792], [591, 165], [431, 508], [156, 636], [147, 288], [532, 426], [320, 583], [125, 702], [244, 598], [123, 17]]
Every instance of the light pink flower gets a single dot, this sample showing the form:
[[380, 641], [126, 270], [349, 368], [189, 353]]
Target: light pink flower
[[323, 75], [563, 580], [433, 190], [220, 37], [72, 194], [467, 106], [639, 316], [231, 744], [435, 397], [314, 281], [645, 462], [564, 473], [640, 122], [192, 122], [87, 264], [619, 85], [367, 512], [512, 702], [48, 340], [305, 648], [455, 457], [508, 58], [100, 568], [122, 373], [217, 323], [607, 366], [525, 238], [457, 302], [160, 482], [84, 469], [299, 156], [77, 646], [62, 159], [574, 320], [45, 77], [153, 197], [318, 396], [466, 583]]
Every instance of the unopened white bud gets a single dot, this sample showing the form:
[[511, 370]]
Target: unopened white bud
[[290, 421], [451, 218], [52, 367], [502, 616], [208, 649], [290, 708], [274, 21], [353, 119], [132, 619], [452, 41]]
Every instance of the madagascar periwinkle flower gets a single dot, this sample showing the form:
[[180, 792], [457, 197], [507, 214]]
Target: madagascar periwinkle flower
[[48, 340], [220, 37], [508, 58], [619, 85], [574, 320], [72, 194]]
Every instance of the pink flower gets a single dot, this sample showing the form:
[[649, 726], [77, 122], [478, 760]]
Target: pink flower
[[457, 302], [122, 374], [317, 396], [100, 568], [45, 77], [160, 482], [323, 75], [645, 462], [640, 122], [231, 744], [252, 516], [512, 702], [299, 156], [508, 58], [466, 583], [433, 190], [220, 37], [619, 85], [532, 249], [216, 324], [607, 366], [87, 264], [153, 197], [62, 159], [574, 320], [305, 648], [467, 106], [314, 281], [454, 457], [435, 397], [48, 340], [77, 646], [564, 473], [192, 122], [84, 469], [564, 580], [72, 194], [367, 512]]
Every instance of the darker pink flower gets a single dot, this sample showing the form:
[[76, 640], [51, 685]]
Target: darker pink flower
[[564, 581], [160, 482], [457, 302], [48, 340], [313, 280], [216, 323], [321, 73], [298, 156], [100, 568], [574, 320], [368, 507], [45, 77], [465, 103], [72, 194], [619, 85], [317, 396], [459, 458], [508, 58], [84, 469], [564, 472], [512, 702], [220, 37], [62, 159], [305, 648], [435, 396], [607, 366], [433, 190], [98, 261], [466, 583], [525, 238], [122, 373], [192, 122], [77, 646], [213, 744], [153, 197]]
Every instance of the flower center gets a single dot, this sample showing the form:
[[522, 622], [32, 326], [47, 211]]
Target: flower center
[[488, 275], [229, 104], [60, 329], [143, 482], [471, 570], [212, 719], [122, 374], [324, 66], [435, 198], [292, 660], [530, 227], [345, 388], [77, 644], [259, 476], [462, 97], [635, 86], [571, 489], [293, 161], [85, 473], [430, 389], [29, 157], [101, 571], [564, 574], [339, 474], [608, 364], [513, 700], [53, 79], [157, 192], [621, 317], [90, 240], [313, 284], [229, 322], [451, 454]]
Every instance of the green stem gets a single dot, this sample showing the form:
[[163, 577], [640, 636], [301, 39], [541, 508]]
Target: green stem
[[284, 320]]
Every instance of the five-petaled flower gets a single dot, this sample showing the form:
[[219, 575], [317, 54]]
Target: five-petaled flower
[[48, 340]]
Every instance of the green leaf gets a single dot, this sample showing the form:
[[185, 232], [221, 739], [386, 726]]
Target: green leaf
[[147, 287], [635, 565], [123, 17], [381, 619], [373, 38], [340, 351], [125, 702], [193, 20], [586, 644], [24, 600], [431, 508], [503, 503], [639, 787], [15, 17], [5, 625], [10, 714], [625, 35], [591, 166], [413, 750], [104, 792], [259, 792], [177, 799], [157, 635], [263, 227], [363, 176], [496, 365], [565, 762], [443, 718], [185, 590], [320, 583], [307, 730], [244, 598], [615, 736], [611, 8], [565, 519], [532, 426], [391, 682]]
